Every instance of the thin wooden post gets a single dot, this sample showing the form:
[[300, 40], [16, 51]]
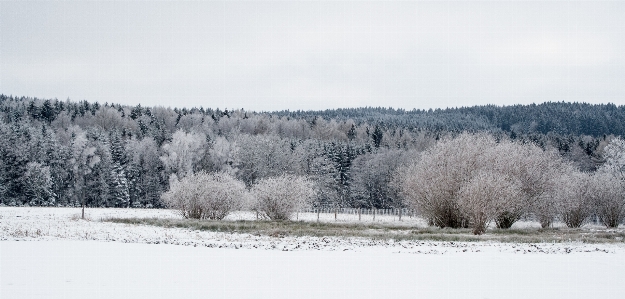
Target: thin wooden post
[[335, 209], [399, 214], [358, 214], [374, 214], [318, 215]]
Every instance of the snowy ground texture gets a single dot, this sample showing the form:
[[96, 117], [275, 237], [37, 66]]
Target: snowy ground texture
[[88, 259]]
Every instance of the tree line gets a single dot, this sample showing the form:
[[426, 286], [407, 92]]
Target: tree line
[[66, 153]]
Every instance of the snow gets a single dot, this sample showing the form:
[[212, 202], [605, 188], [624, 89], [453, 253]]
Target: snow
[[70, 258]]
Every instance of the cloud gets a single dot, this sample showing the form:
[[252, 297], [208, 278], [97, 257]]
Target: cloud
[[313, 54]]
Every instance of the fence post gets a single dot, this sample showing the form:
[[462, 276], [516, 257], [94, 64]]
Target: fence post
[[335, 209], [374, 214], [317, 215], [358, 214], [399, 214]]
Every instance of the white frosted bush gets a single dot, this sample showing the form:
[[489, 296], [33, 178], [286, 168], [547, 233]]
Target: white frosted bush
[[485, 196], [431, 184], [533, 168], [278, 198], [574, 198], [608, 193], [206, 196]]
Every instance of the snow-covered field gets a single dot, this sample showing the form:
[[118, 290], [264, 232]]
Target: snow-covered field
[[72, 258]]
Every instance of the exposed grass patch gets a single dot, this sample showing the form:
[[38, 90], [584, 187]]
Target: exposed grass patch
[[383, 231]]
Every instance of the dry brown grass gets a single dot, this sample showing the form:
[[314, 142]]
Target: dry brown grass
[[385, 231]]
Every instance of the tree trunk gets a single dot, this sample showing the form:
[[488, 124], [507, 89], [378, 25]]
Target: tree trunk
[[83, 200]]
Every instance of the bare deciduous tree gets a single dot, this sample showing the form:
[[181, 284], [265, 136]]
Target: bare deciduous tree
[[222, 156], [84, 159], [263, 156], [614, 154], [277, 198], [183, 152]]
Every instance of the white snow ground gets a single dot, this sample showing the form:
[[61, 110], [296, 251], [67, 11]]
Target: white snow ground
[[88, 259]]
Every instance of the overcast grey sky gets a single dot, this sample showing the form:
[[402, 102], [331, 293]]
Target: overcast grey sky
[[274, 55]]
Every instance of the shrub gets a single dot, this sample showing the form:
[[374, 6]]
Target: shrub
[[277, 198], [533, 168], [573, 196], [608, 198], [431, 183], [485, 196], [546, 210], [206, 196]]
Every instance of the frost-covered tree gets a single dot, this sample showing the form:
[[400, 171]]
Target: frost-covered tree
[[191, 122], [181, 155], [206, 196], [222, 156], [56, 156], [100, 180], [373, 174], [119, 186], [20, 143], [328, 130], [84, 159], [146, 175], [108, 118], [3, 187], [120, 193], [263, 156], [614, 154], [278, 198], [327, 182], [38, 184]]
